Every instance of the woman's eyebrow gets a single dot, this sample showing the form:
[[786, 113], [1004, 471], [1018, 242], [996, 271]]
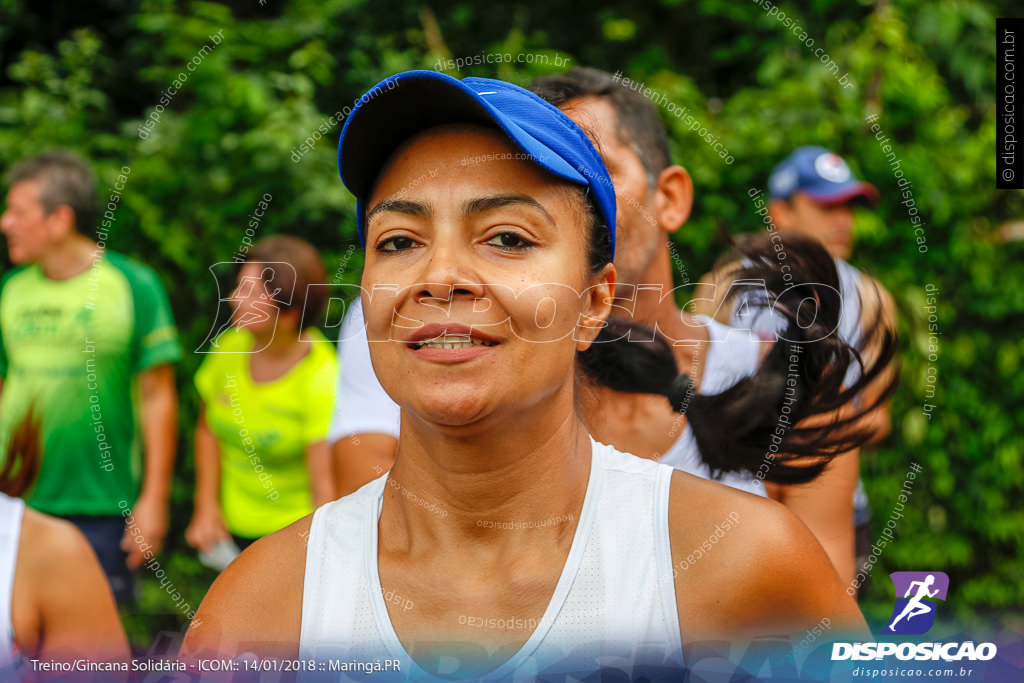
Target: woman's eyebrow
[[399, 206], [483, 204]]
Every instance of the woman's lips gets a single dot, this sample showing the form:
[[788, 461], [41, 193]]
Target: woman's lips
[[450, 343]]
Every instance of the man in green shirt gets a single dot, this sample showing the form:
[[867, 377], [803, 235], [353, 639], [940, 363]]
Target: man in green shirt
[[87, 344]]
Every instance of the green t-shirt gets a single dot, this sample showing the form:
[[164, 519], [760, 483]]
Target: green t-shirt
[[264, 429], [70, 349]]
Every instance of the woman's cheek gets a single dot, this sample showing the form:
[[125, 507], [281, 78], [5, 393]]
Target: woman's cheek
[[546, 313]]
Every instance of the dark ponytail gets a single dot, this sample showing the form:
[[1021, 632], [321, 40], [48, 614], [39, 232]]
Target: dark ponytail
[[787, 421], [24, 456]]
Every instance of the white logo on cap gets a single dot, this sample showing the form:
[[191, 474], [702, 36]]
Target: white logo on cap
[[832, 168]]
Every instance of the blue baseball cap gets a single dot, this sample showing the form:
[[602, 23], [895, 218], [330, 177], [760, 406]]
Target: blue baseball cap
[[408, 103], [822, 175]]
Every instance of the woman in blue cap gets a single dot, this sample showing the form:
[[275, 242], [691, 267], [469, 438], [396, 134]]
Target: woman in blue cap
[[505, 541]]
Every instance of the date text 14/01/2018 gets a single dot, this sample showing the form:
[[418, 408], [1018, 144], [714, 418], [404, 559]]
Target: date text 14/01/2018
[[334, 665]]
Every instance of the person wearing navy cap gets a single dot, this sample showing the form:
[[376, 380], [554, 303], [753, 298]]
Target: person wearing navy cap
[[505, 542], [814, 192]]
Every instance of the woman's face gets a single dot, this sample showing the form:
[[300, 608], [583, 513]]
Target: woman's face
[[255, 308], [477, 279]]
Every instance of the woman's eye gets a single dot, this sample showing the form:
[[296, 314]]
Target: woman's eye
[[509, 240], [396, 244]]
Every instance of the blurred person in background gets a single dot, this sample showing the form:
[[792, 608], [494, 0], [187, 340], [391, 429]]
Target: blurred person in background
[[267, 388], [55, 603], [364, 427], [813, 193], [87, 337]]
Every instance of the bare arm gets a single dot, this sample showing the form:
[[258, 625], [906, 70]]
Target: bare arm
[[825, 505], [255, 605], [207, 527], [321, 475], [159, 428], [62, 606], [766, 575], [361, 458]]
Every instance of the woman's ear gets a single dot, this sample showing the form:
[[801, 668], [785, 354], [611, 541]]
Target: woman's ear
[[673, 198], [596, 306]]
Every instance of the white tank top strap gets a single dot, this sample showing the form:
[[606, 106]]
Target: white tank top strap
[[614, 605], [336, 610], [12, 511]]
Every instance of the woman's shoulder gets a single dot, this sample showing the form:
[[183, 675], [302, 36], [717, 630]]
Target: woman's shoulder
[[49, 544], [231, 340], [697, 506], [745, 565], [255, 605]]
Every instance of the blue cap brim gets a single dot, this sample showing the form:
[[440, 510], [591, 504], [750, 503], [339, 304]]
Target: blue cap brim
[[406, 104]]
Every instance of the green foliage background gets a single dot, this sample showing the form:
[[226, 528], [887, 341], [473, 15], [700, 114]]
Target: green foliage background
[[86, 76]]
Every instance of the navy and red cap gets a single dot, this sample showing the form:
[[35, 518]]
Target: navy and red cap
[[821, 175], [408, 103]]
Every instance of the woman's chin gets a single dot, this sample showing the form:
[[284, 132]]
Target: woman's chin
[[450, 410]]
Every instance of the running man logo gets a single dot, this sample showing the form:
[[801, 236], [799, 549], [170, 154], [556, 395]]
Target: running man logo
[[914, 613]]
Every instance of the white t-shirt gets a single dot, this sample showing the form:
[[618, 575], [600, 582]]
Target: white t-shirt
[[361, 406]]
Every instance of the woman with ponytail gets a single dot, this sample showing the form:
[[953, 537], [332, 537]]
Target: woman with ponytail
[[55, 602], [734, 438], [787, 420], [505, 541]]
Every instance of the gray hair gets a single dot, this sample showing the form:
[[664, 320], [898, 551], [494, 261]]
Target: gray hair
[[65, 179]]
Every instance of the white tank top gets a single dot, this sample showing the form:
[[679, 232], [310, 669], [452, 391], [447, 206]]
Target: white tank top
[[11, 512], [614, 606], [732, 355]]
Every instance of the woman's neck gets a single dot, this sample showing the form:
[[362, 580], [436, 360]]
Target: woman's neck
[[280, 342], [458, 486], [276, 353], [653, 303]]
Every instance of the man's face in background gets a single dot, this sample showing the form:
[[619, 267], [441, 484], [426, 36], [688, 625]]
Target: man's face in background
[[832, 225], [638, 233], [25, 223]]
